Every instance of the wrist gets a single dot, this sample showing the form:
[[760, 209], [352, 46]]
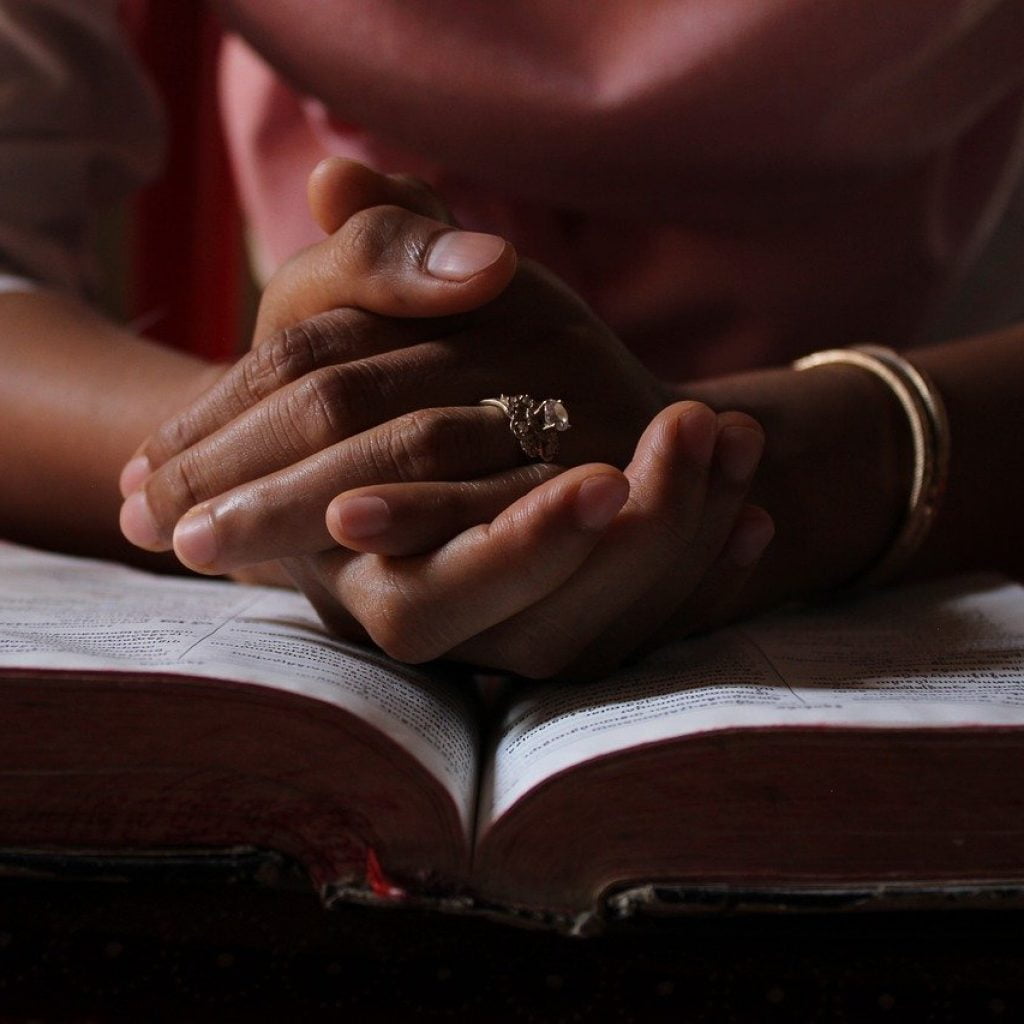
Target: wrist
[[835, 475]]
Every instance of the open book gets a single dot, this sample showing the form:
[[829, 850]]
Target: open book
[[867, 744]]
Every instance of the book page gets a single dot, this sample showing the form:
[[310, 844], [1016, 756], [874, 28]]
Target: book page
[[948, 654], [71, 614]]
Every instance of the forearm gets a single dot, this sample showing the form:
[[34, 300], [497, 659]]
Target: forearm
[[77, 396], [980, 524], [837, 469]]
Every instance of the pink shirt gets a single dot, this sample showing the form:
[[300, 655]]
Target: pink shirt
[[728, 182]]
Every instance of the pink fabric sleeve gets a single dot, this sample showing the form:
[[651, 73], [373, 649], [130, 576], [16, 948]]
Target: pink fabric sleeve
[[79, 128]]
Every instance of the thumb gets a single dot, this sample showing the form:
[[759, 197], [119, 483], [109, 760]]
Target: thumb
[[388, 261], [339, 188]]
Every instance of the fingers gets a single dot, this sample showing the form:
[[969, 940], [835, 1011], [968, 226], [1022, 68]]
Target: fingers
[[569, 578], [282, 514], [384, 259], [322, 344], [393, 249], [422, 607], [195, 458], [308, 575], [391, 261], [339, 188], [409, 519], [688, 485], [752, 533], [316, 412], [715, 602]]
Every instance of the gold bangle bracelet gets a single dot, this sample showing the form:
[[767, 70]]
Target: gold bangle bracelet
[[929, 428]]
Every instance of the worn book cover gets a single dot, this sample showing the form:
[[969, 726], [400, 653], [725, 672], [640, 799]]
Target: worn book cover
[[871, 747]]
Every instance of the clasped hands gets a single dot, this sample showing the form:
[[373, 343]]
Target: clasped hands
[[349, 445]]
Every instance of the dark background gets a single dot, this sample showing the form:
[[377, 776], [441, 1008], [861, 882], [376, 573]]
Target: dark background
[[195, 946]]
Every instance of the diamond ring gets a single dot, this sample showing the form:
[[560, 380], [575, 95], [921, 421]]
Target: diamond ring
[[535, 425]]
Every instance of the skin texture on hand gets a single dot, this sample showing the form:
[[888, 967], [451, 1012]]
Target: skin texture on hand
[[77, 391], [352, 396], [356, 398], [561, 585], [351, 443]]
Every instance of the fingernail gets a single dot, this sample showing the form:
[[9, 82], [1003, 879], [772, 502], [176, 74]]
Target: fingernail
[[138, 524], [195, 541], [458, 255], [134, 474], [739, 450], [697, 428], [599, 500], [363, 516], [749, 540]]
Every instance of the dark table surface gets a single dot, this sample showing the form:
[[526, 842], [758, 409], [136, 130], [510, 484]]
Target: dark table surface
[[177, 949]]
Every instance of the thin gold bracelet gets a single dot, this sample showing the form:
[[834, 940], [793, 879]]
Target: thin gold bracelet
[[929, 428]]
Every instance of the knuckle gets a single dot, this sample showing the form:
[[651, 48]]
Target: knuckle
[[338, 335], [374, 238], [398, 624], [428, 429], [175, 488], [169, 439], [285, 357], [316, 342], [255, 377], [364, 240], [397, 644], [312, 416], [189, 478], [414, 448], [371, 389], [522, 531]]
